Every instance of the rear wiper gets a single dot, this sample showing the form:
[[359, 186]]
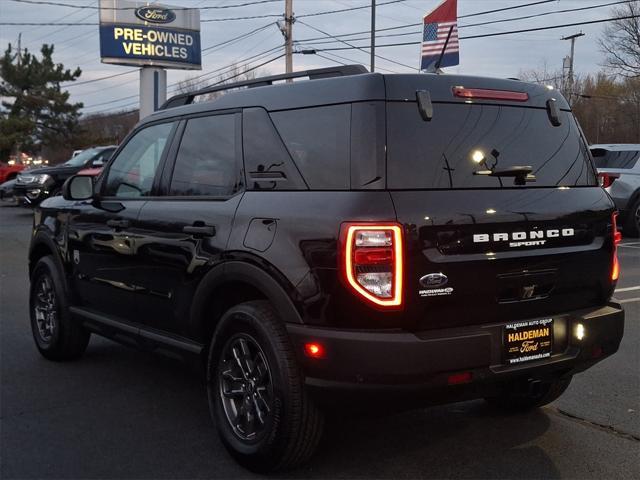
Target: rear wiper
[[521, 174]]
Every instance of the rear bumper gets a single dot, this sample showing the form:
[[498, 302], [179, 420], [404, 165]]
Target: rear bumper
[[403, 362]]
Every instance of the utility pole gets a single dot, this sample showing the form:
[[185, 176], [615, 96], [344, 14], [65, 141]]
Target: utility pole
[[288, 35], [570, 80], [373, 35], [19, 49]]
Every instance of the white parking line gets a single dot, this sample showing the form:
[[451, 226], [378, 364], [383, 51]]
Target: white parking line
[[627, 289], [630, 243], [627, 245], [629, 300]]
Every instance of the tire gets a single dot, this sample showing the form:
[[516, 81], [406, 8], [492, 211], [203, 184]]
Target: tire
[[516, 397], [57, 336], [632, 225], [266, 420]]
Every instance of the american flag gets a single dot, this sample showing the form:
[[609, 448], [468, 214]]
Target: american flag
[[435, 35], [437, 24]]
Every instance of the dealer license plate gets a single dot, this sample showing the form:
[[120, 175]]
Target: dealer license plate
[[528, 340]]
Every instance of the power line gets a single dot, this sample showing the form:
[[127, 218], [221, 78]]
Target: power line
[[216, 71], [305, 40], [128, 72], [496, 34], [353, 46], [207, 20], [88, 7], [217, 83]]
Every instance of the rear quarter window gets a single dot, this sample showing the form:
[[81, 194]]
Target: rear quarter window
[[318, 140], [438, 154]]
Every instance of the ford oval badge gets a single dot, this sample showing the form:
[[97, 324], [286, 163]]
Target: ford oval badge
[[155, 14], [433, 280]]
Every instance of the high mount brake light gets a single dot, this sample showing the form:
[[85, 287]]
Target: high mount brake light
[[371, 258], [617, 238], [487, 94], [606, 179]]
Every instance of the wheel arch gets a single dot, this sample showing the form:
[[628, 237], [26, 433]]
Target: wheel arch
[[229, 284], [41, 246]]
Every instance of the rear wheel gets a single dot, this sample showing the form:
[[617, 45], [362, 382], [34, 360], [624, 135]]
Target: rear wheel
[[632, 226], [256, 393], [56, 334], [522, 396]]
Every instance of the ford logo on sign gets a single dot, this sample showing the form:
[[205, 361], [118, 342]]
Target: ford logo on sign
[[434, 280], [155, 14]]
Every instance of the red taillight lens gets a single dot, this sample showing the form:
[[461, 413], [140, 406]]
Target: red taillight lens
[[606, 179], [371, 262], [487, 94], [617, 238]]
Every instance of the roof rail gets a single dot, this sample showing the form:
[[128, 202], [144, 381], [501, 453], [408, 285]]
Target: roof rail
[[338, 71]]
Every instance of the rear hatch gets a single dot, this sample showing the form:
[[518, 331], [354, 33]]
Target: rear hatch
[[483, 248]]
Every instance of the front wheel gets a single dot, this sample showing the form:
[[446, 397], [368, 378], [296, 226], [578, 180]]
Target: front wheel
[[256, 394], [57, 335], [521, 396]]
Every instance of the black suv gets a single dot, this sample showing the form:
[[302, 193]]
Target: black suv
[[34, 185], [408, 238]]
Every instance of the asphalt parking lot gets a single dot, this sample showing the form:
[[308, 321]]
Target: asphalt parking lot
[[119, 413]]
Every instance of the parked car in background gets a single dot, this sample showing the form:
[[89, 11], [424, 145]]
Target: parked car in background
[[9, 170], [33, 186], [619, 173]]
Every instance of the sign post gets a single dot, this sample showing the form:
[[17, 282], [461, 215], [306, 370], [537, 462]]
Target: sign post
[[154, 37]]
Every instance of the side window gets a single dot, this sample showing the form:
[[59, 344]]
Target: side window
[[318, 139], [132, 171], [206, 159], [266, 160]]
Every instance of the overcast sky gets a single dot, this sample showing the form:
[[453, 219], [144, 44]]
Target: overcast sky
[[501, 56]]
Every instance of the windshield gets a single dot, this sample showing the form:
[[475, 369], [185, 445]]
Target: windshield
[[463, 139], [614, 159], [82, 158]]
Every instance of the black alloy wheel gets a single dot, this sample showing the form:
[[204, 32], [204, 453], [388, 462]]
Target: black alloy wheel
[[57, 335], [257, 397], [45, 308], [246, 388]]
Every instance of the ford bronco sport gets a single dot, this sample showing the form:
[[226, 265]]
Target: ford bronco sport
[[432, 238]]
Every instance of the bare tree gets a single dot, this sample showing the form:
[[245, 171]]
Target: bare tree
[[235, 73], [620, 41]]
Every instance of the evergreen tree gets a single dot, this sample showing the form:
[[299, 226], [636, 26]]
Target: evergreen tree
[[34, 110]]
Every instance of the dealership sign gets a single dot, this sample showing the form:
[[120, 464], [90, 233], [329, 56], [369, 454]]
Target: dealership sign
[[143, 34]]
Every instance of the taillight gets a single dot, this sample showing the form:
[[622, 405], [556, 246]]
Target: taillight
[[606, 179], [488, 94], [617, 238], [371, 261]]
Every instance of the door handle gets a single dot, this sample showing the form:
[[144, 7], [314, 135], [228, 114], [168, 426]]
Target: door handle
[[113, 223], [200, 230]]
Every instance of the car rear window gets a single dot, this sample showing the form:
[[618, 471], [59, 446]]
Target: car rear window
[[604, 158], [438, 154]]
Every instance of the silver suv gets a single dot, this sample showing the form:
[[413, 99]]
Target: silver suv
[[619, 172]]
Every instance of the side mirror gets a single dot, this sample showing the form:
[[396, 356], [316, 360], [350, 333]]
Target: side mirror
[[78, 187]]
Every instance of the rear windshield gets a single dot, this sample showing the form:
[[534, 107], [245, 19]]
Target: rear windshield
[[439, 154], [614, 159]]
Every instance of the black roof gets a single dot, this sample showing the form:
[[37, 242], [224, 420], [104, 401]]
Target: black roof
[[354, 86]]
